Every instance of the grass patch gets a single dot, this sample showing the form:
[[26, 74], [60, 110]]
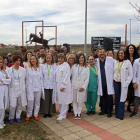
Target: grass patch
[[27, 130]]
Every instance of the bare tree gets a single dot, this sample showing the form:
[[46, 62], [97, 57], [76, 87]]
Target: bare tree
[[137, 9]]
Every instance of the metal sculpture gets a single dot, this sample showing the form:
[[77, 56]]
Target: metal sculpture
[[38, 39]]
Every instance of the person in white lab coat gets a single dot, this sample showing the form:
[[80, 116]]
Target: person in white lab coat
[[4, 100], [34, 86], [136, 85], [48, 71], [17, 92], [123, 74], [71, 61], [63, 86], [80, 79], [105, 67]]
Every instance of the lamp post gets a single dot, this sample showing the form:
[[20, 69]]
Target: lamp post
[[85, 46], [26, 37], [130, 31]]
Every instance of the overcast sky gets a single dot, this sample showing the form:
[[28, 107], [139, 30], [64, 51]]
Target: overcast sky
[[105, 18]]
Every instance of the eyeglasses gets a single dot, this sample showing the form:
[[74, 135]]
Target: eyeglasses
[[91, 59]]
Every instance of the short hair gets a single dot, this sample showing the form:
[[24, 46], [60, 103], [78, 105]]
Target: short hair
[[15, 58], [61, 55], [71, 56], [44, 61], [117, 56], [37, 61], [42, 48], [109, 51]]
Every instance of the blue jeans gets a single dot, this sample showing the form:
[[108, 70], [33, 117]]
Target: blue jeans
[[119, 106]]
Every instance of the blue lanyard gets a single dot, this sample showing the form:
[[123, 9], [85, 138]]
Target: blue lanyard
[[14, 74], [4, 73], [79, 71]]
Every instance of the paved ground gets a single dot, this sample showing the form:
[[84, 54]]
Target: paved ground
[[95, 127]]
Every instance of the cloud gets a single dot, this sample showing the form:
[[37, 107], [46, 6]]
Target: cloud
[[105, 18]]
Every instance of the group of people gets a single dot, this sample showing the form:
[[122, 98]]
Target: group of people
[[40, 83]]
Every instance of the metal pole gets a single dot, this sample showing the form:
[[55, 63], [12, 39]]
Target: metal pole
[[26, 37], [130, 31], [85, 47]]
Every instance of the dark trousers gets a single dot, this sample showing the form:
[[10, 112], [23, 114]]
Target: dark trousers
[[46, 105], [107, 100], [119, 106]]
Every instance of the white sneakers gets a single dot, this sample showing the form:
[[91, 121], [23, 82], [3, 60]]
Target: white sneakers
[[1, 127], [3, 124], [60, 118]]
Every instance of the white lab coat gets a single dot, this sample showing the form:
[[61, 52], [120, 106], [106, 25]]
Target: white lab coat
[[126, 78], [49, 84], [109, 71], [63, 81], [22, 76], [4, 90], [136, 76], [29, 84], [80, 82]]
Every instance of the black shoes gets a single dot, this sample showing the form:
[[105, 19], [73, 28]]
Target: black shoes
[[134, 113], [88, 113], [103, 112], [129, 109], [109, 114], [92, 112], [47, 115]]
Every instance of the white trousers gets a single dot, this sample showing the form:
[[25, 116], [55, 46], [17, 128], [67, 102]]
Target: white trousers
[[34, 104], [77, 106], [15, 105], [2, 112], [63, 110]]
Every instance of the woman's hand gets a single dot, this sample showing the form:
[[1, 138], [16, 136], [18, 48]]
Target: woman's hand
[[7, 77], [61, 89], [81, 89], [135, 86], [0, 80]]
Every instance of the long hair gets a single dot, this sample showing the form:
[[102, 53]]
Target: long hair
[[117, 56], [3, 66], [85, 63], [30, 64], [135, 54], [25, 57], [44, 61], [71, 56]]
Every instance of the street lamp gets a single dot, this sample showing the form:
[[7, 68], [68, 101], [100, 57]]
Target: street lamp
[[85, 47], [130, 31]]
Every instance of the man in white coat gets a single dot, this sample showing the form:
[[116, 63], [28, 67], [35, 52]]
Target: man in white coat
[[105, 82], [136, 83]]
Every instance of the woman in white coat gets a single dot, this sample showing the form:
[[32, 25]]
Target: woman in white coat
[[34, 86], [17, 93], [4, 100], [48, 71], [123, 74], [136, 85], [26, 58], [80, 79], [63, 86]]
